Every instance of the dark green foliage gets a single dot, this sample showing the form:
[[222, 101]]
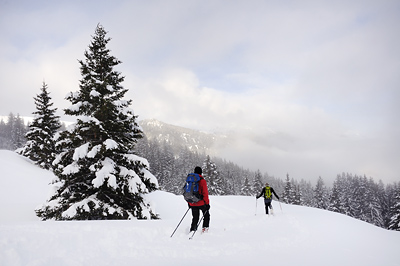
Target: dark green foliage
[[99, 174], [40, 145]]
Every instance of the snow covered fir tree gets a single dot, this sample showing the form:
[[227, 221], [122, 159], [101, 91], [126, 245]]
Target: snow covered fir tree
[[214, 180], [246, 189], [12, 132], [99, 176], [394, 223], [321, 195], [289, 192], [40, 145], [258, 184]]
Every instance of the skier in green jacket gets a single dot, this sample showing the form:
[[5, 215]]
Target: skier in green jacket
[[267, 193]]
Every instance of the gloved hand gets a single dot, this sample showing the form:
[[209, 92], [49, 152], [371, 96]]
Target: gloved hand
[[189, 206], [207, 207]]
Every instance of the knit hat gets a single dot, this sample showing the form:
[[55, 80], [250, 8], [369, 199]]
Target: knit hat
[[197, 170]]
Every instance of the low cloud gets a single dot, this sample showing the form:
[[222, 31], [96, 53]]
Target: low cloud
[[306, 88]]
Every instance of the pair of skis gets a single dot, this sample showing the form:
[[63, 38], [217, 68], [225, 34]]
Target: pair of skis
[[194, 232]]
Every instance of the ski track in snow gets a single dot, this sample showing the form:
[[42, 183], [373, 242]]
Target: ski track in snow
[[239, 233]]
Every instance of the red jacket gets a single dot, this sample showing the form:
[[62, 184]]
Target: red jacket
[[203, 190]]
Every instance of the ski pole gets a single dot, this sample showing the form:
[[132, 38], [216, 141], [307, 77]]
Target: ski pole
[[180, 221], [280, 205], [256, 207], [198, 224]]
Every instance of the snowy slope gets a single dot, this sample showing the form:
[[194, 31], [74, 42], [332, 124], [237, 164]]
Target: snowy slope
[[239, 234], [23, 187]]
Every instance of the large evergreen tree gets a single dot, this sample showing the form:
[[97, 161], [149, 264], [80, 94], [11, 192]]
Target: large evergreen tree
[[168, 171], [394, 223], [3, 135], [258, 184], [18, 131], [246, 189], [321, 195], [306, 192], [12, 133], [335, 200], [5, 141], [289, 193], [99, 175], [214, 181], [373, 207], [40, 145], [298, 198]]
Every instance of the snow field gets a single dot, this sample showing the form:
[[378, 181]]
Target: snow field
[[239, 234]]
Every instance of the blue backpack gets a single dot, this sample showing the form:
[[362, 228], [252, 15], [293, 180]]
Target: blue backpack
[[191, 188]]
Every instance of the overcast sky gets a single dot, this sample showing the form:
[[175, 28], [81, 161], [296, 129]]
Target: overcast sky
[[311, 88]]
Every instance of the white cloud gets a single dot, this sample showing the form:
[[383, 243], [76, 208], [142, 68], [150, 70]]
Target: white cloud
[[313, 86]]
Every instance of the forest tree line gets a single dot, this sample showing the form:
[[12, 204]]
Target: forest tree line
[[356, 196], [12, 132]]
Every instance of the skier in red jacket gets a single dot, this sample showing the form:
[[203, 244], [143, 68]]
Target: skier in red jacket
[[203, 205]]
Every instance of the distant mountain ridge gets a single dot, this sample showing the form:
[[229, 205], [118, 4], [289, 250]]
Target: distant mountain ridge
[[178, 136]]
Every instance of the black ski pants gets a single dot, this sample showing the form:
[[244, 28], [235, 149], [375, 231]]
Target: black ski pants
[[196, 216], [267, 203]]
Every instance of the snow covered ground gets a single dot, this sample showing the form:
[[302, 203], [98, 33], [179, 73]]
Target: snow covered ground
[[239, 233]]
